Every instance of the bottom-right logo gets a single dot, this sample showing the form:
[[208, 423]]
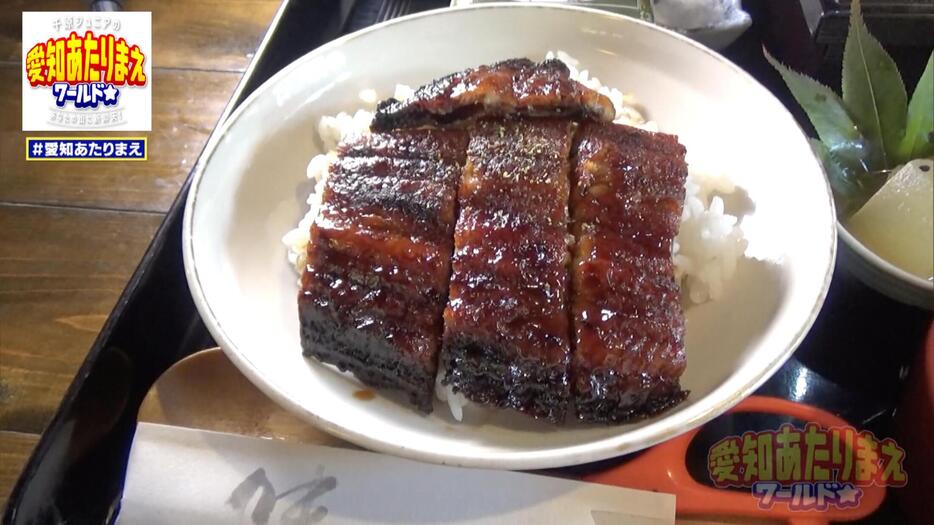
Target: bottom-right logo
[[810, 468]]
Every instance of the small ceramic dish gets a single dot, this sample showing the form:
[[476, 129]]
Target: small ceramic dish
[[882, 275]]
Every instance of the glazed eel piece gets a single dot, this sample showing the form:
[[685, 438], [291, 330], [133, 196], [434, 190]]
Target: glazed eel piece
[[506, 326], [375, 283], [509, 88], [626, 199]]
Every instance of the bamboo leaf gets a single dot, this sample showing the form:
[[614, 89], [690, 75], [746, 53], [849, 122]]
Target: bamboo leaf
[[851, 189], [873, 91], [919, 131], [833, 124], [843, 189]]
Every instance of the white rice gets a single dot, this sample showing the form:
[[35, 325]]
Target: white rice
[[709, 242], [705, 252]]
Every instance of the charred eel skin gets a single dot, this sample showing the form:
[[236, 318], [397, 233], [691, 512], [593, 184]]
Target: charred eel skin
[[375, 284], [516, 87], [506, 327], [626, 199]]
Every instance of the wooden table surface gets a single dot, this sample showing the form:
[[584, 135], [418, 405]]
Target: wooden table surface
[[72, 233]]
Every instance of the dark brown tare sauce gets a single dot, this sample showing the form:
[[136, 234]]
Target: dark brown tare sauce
[[517, 87], [626, 198], [375, 283], [506, 325], [497, 226]]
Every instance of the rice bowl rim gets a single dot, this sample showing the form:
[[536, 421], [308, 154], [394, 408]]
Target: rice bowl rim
[[627, 441]]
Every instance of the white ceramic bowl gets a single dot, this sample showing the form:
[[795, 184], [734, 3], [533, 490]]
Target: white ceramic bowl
[[250, 188], [883, 276]]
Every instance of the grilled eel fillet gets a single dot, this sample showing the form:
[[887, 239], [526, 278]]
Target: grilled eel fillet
[[626, 199], [506, 327], [513, 87], [375, 284]]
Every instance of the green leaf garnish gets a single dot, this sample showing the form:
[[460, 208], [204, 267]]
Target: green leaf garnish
[[919, 132], [851, 189], [873, 91], [833, 124], [843, 189], [873, 129]]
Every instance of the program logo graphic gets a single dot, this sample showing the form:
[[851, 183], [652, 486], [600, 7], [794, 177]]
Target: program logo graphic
[[87, 71], [810, 468]]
